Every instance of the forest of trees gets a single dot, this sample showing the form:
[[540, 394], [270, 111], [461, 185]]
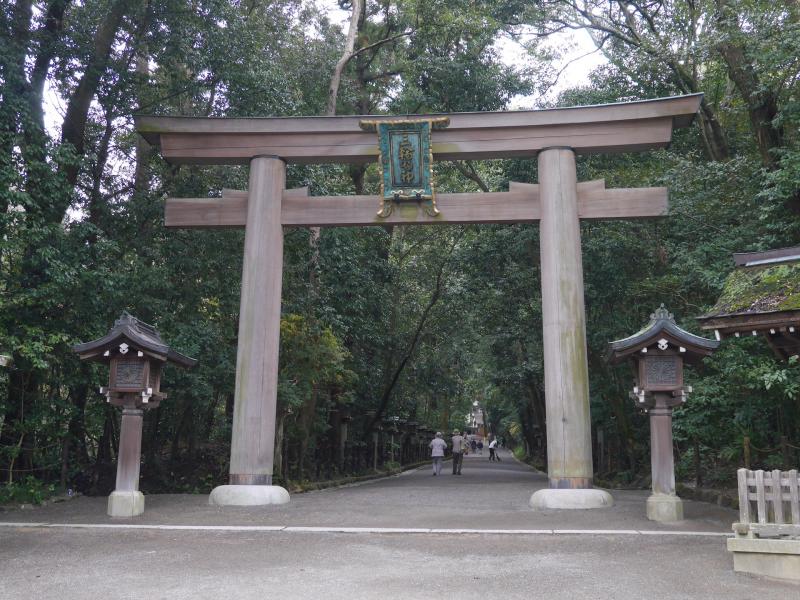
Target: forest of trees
[[382, 323]]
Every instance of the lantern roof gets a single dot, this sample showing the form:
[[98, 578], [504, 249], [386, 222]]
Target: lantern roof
[[138, 334], [662, 329]]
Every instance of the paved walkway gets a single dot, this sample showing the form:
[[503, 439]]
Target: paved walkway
[[412, 535]]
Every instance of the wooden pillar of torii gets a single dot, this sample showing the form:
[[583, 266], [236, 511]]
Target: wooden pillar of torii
[[558, 202]]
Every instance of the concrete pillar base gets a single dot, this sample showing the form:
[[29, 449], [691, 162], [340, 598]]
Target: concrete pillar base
[[776, 558], [570, 499], [664, 508], [248, 495], [125, 504]]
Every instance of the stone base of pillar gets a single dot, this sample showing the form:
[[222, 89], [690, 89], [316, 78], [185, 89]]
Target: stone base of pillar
[[773, 558], [570, 499], [664, 508], [125, 504], [248, 495]]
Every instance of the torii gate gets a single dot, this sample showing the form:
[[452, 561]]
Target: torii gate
[[558, 202]]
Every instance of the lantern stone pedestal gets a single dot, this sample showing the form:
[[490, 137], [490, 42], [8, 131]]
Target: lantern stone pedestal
[[663, 504], [126, 500]]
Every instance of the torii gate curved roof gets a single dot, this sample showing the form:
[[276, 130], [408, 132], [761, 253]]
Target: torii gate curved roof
[[604, 128]]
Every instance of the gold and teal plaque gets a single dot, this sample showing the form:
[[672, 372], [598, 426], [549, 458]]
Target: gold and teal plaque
[[406, 159]]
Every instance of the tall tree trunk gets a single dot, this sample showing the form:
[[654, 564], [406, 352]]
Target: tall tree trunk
[[211, 413], [73, 131], [102, 472], [74, 449], [152, 450], [48, 36], [386, 395], [713, 136], [762, 102], [305, 424], [278, 461], [143, 149], [624, 430], [349, 47]]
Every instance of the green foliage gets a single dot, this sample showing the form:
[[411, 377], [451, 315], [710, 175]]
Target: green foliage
[[415, 324], [28, 491], [311, 356]]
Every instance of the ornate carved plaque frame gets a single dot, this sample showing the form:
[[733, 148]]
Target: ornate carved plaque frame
[[661, 372], [406, 159]]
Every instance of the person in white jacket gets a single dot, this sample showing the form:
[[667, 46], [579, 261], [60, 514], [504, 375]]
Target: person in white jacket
[[437, 447], [493, 450]]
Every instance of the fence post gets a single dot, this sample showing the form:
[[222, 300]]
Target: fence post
[[744, 496], [761, 500], [777, 497], [794, 496]]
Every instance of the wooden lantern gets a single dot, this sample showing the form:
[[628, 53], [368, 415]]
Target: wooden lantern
[[135, 355], [658, 353]]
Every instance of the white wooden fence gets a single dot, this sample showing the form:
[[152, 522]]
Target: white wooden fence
[[769, 504]]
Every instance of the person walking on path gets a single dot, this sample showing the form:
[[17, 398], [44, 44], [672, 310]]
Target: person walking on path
[[480, 447], [493, 451], [473, 445], [437, 447], [458, 452]]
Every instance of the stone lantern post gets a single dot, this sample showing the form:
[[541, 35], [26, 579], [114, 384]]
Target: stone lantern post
[[135, 355], [658, 353]]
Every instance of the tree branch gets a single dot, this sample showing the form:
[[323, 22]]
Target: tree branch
[[336, 78], [435, 295], [467, 169]]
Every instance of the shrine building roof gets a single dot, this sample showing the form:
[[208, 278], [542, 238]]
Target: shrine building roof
[[761, 296]]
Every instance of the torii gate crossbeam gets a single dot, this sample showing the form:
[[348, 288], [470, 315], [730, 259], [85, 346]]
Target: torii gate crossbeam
[[558, 203]]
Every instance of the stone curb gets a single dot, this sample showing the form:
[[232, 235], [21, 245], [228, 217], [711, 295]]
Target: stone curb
[[370, 530]]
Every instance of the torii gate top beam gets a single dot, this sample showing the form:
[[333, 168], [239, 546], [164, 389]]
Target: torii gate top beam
[[605, 128]]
